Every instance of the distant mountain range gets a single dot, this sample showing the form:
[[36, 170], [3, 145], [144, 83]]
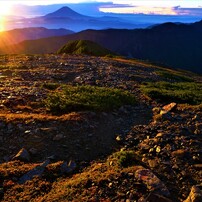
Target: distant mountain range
[[175, 45], [18, 35], [66, 12], [69, 19]]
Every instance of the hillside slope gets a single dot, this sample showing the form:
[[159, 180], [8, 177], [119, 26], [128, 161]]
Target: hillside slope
[[176, 45], [18, 35], [84, 128], [85, 47]]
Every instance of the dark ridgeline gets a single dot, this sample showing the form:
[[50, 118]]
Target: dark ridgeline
[[18, 35], [176, 45]]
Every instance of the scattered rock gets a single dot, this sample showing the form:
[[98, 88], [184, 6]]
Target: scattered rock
[[170, 107], [119, 138], [37, 171], [22, 155], [195, 195], [180, 153], [153, 163], [58, 137], [66, 169], [152, 182]]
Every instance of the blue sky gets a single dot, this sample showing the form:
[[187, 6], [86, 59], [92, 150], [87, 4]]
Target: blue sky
[[158, 3]]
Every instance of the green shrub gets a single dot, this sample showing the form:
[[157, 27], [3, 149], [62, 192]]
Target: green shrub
[[50, 86], [77, 98], [182, 92], [125, 158]]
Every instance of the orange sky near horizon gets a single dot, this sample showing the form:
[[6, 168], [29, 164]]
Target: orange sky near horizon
[[141, 10]]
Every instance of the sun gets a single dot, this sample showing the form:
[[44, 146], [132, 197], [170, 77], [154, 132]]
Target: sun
[[5, 9]]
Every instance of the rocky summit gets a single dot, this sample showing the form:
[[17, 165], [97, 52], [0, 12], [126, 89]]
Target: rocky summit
[[84, 128]]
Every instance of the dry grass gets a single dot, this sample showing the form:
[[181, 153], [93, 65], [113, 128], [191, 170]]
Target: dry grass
[[41, 117], [102, 180]]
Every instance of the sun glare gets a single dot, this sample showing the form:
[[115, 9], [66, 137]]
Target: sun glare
[[5, 9], [2, 23]]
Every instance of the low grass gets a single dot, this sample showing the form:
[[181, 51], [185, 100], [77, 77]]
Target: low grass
[[103, 180], [182, 92], [81, 98], [173, 75]]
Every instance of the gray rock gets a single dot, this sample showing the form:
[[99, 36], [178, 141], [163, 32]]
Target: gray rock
[[65, 169], [58, 137], [22, 155], [37, 171]]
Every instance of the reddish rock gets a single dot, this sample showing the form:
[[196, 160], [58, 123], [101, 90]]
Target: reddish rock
[[152, 182]]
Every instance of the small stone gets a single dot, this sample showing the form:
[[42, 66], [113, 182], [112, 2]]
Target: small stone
[[158, 149], [159, 135], [118, 138], [27, 131], [198, 166], [68, 168], [22, 155], [58, 137], [37, 171], [110, 185], [152, 182], [153, 163], [170, 107], [181, 153], [195, 195], [197, 132]]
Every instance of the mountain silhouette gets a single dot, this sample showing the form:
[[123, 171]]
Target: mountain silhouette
[[175, 45], [18, 35], [65, 12], [69, 19]]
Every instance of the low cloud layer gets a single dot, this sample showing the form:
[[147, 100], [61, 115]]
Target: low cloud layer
[[177, 10]]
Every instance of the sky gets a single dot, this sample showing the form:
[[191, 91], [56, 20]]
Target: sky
[[158, 3], [160, 7]]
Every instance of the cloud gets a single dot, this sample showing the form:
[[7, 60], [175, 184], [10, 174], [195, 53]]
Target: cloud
[[150, 10]]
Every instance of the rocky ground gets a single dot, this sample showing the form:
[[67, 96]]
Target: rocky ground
[[76, 150]]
